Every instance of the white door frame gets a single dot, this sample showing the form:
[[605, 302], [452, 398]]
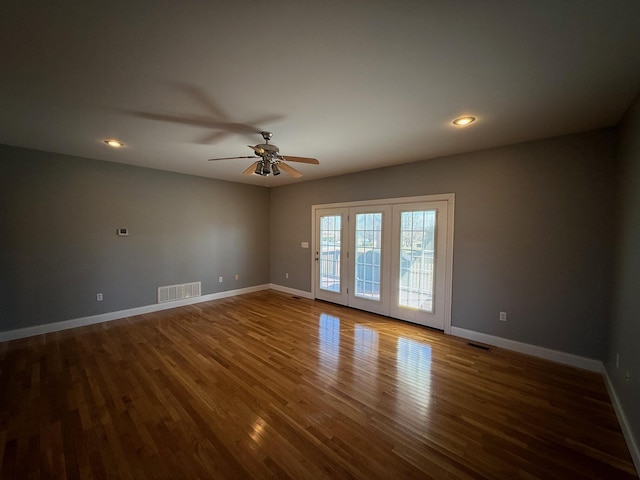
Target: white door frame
[[448, 268]]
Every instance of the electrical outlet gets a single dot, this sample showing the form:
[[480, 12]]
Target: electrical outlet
[[286, 275], [237, 276], [98, 297], [220, 279], [503, 316]]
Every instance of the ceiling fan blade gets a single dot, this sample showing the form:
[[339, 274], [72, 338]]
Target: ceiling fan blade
[[289, 169], [289, 158], [250, 169], [229, 158]]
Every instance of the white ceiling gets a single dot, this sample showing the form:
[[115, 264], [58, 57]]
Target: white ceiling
[[356, 84]]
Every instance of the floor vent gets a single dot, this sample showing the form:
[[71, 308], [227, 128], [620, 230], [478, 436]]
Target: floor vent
[[481, 347], [296, 297], [172, 293]]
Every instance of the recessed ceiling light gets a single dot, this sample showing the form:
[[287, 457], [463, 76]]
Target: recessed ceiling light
[[463, 121], [114, 143]]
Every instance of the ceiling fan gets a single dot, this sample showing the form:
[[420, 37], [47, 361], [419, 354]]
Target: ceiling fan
[[270, 161]]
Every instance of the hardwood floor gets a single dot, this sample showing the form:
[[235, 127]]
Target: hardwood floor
[[265, 385]]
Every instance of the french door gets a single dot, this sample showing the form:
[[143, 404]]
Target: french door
[[330, 250], [389, 258]]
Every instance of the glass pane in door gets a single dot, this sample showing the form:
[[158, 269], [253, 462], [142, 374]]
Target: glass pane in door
[[368, 238], [329, 254], [417, 248]]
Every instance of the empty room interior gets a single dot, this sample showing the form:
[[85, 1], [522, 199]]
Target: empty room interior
[[333, 240]]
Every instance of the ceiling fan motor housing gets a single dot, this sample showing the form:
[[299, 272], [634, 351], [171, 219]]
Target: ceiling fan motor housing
[[267, 147]]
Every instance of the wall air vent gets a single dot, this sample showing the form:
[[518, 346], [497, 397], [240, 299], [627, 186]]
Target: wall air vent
[[172, 293]]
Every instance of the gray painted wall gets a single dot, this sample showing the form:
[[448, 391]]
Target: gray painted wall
[[624, 329], [58, 243], [533, 234]]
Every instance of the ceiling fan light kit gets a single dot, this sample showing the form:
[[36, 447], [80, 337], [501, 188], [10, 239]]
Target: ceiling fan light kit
[[271, 161]]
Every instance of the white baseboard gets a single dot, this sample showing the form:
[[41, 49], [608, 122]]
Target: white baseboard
[[109, 316], [632, 444], [292, 291], [540, 352]]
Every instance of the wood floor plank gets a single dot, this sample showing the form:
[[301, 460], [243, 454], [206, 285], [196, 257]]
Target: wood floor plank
[[266, 385]]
